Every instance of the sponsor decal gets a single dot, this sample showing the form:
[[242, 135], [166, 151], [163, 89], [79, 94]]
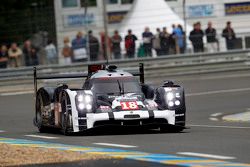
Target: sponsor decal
[[105, 109], [80, 118], [179, 115]]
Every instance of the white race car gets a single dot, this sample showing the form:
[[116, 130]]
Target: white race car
[[109, 97]]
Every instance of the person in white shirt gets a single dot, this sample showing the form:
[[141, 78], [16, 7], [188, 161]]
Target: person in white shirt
[[51, 53]]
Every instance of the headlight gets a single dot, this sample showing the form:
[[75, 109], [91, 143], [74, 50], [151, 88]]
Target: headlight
[[170, 104], [84, 102], [89, 107], [80, 98], [88, 99], [177, 102], [170, 96], [173, 99], [81, 106]]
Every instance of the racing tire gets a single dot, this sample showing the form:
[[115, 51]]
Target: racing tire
[[38, 121], [66, 115], [167, 129]]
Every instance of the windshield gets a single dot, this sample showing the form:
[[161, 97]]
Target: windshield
[[111, 86]]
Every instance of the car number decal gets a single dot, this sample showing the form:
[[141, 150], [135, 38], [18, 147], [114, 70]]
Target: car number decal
[[129, 105]]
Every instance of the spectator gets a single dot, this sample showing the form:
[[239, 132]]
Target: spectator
[[51, 53], [130, 44], [27, 53], [103, 43], [178, 36], [229, 35], [172, 41], [212, 42], [79, 48], [30, 54], [67, 51], [157, 42], [93, 47], [147, 37], [196, 37], [165, 41], [182, 49], [116, 45], [3, 56], [141, 51], [15, 54]]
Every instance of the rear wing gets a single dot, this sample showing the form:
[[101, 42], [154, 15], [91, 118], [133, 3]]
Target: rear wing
[[94, 68], [91, 69], [140, 73]]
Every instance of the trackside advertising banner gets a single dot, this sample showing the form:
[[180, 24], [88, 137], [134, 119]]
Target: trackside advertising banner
[[237, 8]]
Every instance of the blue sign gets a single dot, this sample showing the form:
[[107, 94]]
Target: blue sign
[[77, 20], [201, 10], [237, 8]]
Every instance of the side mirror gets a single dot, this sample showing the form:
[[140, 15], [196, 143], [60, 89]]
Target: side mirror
[[148, 91]]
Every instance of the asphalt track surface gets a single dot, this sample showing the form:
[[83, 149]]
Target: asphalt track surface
[[206, 96]]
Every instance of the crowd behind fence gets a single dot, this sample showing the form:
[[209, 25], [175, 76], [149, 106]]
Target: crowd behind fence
[[90, 47]]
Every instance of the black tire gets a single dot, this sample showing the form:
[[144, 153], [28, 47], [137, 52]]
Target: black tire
[[38, 121], [66, 115], [169, 129]]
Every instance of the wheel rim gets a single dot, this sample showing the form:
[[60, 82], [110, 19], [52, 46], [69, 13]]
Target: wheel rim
[[66, 116], [39, 111]]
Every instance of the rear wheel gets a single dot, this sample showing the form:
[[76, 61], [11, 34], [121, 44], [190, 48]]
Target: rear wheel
[[39, 116], [66, 116]]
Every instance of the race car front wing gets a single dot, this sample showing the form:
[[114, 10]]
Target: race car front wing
[[134, 118]]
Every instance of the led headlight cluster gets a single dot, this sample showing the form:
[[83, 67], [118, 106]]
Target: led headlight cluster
[[84, 102], [173, 99]]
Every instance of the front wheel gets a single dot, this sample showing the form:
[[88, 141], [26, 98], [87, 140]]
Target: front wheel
[[171, 129], [66, 117]]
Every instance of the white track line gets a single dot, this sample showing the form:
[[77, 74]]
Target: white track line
[[214, 126], [42, 137], [213, 119], [206, 155], [115, 145], [216, 114], [218, 92], [2, 131], [16, 93]]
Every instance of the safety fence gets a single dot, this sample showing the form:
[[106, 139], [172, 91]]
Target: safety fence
[[160, 67]]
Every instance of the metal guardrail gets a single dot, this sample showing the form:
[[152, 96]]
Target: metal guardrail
[[164, 66]]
